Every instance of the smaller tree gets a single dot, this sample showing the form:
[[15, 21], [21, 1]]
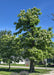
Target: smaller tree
[[9, 49]]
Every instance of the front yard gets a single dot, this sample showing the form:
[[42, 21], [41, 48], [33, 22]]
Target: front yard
[[4, 71]]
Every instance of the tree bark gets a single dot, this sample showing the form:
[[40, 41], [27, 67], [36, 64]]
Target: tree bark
[[32, 66], [9, 66], [33, 44]]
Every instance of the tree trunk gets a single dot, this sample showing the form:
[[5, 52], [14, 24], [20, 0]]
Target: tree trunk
[[33, 43], [9, 66], [32, 66]]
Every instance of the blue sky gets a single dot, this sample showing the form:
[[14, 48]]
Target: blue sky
[[9, 9]]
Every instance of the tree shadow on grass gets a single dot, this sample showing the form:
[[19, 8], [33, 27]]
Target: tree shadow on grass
[[17, 70]]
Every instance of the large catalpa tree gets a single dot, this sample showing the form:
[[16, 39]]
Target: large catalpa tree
[[34, 41]]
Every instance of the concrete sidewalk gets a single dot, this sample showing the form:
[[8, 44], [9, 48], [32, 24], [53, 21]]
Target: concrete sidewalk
[[28, 67], [50, 73]]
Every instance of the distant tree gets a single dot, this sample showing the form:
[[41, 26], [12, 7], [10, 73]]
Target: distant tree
[[34, 40], [51, 16], [4, 32]]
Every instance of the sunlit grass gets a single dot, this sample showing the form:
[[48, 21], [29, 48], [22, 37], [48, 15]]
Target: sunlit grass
[[4, 71]]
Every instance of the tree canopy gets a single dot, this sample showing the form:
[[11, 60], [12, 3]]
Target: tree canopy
[[34, 41], [5, 32], [9, 49]]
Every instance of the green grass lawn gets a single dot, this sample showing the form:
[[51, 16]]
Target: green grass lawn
[[25, 65], [22, 65], [14, 64], [4, 71]]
